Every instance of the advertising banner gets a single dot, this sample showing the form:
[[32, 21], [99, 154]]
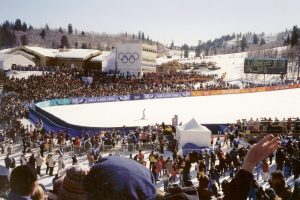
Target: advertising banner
[[87, 80], [83, 100], [245, 90]]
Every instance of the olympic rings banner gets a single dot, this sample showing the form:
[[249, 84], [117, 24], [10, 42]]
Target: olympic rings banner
[[129, 58]]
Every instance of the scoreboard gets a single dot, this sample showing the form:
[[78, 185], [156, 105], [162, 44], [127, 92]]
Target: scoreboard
[[265, 66]]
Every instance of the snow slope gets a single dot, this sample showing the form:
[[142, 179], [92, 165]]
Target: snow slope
[[231, 64], [205, 109]]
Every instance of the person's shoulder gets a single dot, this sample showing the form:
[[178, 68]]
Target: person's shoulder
[[286, 193]]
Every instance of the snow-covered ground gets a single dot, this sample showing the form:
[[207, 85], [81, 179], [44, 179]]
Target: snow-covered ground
[[205, 109], [23, 74], [231, 64]]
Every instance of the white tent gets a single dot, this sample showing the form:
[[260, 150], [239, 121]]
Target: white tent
[[194, 133]]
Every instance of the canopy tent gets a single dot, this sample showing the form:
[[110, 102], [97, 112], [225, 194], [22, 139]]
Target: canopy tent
[[193, 133]]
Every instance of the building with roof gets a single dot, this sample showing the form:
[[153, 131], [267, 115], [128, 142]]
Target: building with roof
[[58, 57], [126, 59]]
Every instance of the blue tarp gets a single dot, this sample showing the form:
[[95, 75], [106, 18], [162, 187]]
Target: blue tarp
[[189, 147]]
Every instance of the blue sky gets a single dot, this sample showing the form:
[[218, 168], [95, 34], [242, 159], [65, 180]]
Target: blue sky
[[184, 21]]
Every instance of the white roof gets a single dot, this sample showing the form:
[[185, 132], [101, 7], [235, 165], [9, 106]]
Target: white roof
[[5, 51], [192, 125], [69, 53], [43, 51], [27, 55], [77, 53], [101, 57]]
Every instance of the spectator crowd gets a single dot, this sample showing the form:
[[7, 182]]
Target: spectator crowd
[[115, 177]]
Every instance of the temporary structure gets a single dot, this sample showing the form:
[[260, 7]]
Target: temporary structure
[[193, 133]]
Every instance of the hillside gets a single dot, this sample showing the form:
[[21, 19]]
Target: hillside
[[17, 33]]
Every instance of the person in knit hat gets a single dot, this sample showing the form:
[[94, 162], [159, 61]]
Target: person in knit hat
[[119, 178], [71, 187]]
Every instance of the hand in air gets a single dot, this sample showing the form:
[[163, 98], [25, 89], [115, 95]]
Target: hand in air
[[260, 151]]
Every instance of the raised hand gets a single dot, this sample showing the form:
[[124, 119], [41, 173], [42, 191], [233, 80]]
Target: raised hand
[[260, 151]]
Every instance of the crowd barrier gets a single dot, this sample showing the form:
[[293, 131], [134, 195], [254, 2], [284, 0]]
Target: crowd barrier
[[83, 100], [244, 90]]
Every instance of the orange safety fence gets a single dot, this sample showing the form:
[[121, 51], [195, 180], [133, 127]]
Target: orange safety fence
[[245, 90]]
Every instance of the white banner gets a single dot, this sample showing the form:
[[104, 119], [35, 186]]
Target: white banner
[[129, 58]]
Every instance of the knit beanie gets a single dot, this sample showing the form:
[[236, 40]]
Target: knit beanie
[[119, 178], [72, 188]]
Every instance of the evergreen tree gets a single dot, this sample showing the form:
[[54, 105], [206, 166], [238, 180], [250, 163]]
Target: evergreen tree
[[6, 24], [76, 45], [7, 37], [47, 27], [18, 25], [84, 46], [295, 36], [24, 40], [133, 36], [82, 33], [288, 40], [262, 42], [255, 39], [244, 43], [197, 51], [186, 51], [30, 27], [24, 27], [70, 29], [140, 35], [64, 42], [172, 45], [60, 30], [148, 40], [43, 34], [143, 36]]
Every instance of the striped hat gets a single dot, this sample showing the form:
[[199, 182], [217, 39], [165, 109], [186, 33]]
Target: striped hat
[[71, 188]]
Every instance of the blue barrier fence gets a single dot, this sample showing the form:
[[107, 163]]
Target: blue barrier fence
[[83, 100], [56, 124]]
